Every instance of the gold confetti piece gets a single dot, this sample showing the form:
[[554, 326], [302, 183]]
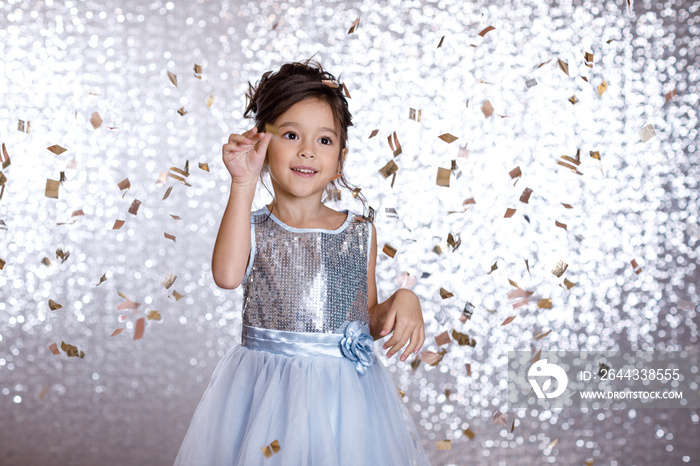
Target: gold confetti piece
[[117, 332], [172, 78], [451, 241], [46, 261], [647, 132], [602, 87], [197, 71], [563, 66], [469, 201], [182, 111], [52, 188], [124, 184], [635, 266], [508, 320], [552, 444], [535, 356], [560, 225], [588, 59], [569, 166], [23, 126], [169, 280], [396, 151], [463, 339], [432, 358], [515, 173], [4, 157], [441, 39], [72, 351], [487, 109], [401, 392], [525, 196], [569, 284], [512, 426], [354, 26], [374, 133], [509, 213], [543, 63], [330, 83], [443, 177], [346, 91], [56, 149], [134, 208], [589, 462], [414, 115], [494, 266], [103, 278], [686, 306], [210, 100], [140, 328], [595, 154], [267, 451], [670, 95], [272, 129], [167, 193], [469, 370], [559, 268], [96, 120], [2, 264], [204, 166], [584, 78], [54, 348], [389, 250], [178, 296], [541, 335], [355, 192], [153, 315], [448, 138], [415, 363], [513, 283], [169, 236], [275, 445], [573, 99], [545, 303], [487, 29], [500, 418], [467, 312], [444, 294], [443, 444], [62, 255], [469, 433], [442, 339], [117, 224], [176, 217], [389, 169]]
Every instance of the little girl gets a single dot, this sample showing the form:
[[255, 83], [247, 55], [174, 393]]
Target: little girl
[[304, 387]]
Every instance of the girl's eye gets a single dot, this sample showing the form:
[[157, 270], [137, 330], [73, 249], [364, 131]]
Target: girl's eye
[[290, 135], [325, 140]]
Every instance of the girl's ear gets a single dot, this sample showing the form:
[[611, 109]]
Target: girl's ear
[[343, 153]]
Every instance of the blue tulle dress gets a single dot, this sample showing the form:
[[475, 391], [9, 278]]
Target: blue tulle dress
[[304, 387]]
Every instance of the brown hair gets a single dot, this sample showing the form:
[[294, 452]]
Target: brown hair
[[277, 92]]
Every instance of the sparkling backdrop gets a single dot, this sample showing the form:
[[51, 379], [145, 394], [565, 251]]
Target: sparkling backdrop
[[130, 401]]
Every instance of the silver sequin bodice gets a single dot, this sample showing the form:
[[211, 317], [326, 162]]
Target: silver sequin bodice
[[306, 280]]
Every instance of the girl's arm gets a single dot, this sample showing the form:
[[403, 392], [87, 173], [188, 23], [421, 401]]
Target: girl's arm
[[232, 248], [401, 312], [243, 156]]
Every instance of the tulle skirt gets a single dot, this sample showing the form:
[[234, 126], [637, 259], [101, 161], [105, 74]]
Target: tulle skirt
[[310, 406]]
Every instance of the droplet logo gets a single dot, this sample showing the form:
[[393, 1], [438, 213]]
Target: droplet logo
[[543, 369]]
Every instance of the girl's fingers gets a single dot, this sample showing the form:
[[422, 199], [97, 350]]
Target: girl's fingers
[[415, 336], [398, 334], [402, 341]]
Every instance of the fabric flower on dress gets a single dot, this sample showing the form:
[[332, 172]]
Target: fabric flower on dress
[[357, 345]]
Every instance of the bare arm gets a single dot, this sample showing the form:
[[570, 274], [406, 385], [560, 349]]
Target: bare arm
[[243, 156], [232, 248]]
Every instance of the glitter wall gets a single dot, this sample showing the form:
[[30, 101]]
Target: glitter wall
[[613, 198]]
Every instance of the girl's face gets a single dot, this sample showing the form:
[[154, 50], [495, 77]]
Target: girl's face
[[308, 138]]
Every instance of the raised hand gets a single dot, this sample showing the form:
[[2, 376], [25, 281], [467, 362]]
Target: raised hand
[[244, 155]]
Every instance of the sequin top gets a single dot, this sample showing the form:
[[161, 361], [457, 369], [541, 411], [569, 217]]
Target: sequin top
[[306, 279]]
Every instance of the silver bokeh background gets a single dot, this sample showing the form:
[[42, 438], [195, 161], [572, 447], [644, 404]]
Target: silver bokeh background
[[130, 401]]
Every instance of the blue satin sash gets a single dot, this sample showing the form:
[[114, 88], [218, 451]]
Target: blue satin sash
[[292, 343]]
